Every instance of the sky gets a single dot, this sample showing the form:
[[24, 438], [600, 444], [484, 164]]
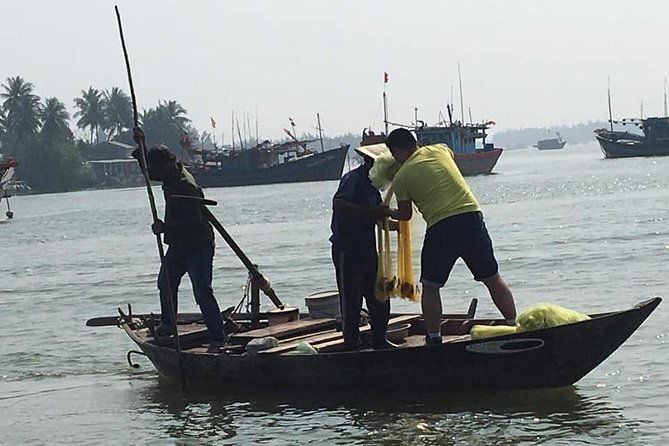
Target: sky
[[524, 63]]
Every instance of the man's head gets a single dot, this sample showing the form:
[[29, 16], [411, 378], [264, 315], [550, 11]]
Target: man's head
[[401, 144], [161, 162]]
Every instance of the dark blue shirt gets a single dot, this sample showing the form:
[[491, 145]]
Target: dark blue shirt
[[350, 232]]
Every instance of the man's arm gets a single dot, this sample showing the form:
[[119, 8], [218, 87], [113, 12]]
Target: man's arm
[[403, 212], [342, 206]]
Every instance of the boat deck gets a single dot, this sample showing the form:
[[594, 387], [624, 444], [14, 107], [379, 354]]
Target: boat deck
[[321, 334]]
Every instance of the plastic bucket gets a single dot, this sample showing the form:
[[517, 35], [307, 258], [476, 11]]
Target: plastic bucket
[[323, 304]]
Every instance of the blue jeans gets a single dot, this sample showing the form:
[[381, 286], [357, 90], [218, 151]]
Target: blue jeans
[[197, 262]]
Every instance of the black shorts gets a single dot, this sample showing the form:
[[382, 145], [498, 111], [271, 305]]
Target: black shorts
[[463, 235]]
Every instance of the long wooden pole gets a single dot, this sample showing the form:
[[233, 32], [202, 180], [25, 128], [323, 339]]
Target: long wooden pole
[[152, 201], [257, 276], [261, 281]]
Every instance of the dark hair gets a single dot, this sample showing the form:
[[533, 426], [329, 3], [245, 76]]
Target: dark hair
[[400, 139], [160, 154]]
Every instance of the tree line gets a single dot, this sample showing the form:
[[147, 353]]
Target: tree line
[[37, 131], [527, 137]]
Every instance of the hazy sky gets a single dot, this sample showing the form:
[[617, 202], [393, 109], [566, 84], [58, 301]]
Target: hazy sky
[[524, 63]]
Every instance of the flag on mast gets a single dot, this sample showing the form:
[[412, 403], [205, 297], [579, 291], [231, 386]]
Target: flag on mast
[[213, 123], [385, 77]]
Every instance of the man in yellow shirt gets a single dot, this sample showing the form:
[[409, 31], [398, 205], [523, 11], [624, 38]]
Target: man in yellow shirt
[[430, 178]]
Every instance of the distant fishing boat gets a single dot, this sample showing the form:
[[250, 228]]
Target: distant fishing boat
[[551, 143], [292, 161], [472, 158], [653, 139]]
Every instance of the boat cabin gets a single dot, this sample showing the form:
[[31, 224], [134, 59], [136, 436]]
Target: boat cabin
[[461, 138], [656, 128]]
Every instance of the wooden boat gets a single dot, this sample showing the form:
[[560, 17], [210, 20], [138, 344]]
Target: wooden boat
[[472, 158], [461, 138], [268, 163], [551, 357], [551, 143], [654, 140]]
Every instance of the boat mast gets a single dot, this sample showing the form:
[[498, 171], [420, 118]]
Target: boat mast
[[462, 102], [239, 133], [665, 95], [320, 131], [385, 102], [385, 110], [248, 122], [608, 92], [415, 117], [233, 129], [257, 138]]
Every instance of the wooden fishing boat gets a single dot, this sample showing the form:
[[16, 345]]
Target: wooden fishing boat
[[551, 143], [654, 140], [551, 357]]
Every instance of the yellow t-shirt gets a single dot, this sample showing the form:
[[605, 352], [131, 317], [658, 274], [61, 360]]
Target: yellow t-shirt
[[431, 179]]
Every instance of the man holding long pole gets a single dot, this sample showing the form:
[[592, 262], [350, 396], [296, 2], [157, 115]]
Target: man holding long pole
[[190, 237]]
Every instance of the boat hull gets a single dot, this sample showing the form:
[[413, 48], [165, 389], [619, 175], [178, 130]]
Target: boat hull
[[552, 357], [477, 163], [630, 148], [551, 144], [322, 166]]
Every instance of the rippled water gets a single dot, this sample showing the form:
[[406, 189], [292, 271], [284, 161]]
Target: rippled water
[[569, 227]]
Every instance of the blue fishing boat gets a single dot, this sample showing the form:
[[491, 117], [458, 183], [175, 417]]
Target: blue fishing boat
[[472, 157]]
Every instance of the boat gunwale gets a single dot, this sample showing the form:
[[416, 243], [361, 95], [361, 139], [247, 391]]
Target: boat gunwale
[[647, 306]]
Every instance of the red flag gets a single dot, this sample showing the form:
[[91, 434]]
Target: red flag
[[385, 77]]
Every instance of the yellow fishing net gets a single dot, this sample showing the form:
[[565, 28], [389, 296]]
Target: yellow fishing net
[[402, 283], [534, 318]]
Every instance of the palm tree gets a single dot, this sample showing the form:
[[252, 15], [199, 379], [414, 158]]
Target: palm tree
[[172, 111], [21, 107], [165, 124], [90, 113], [54, 118], [117, 111]]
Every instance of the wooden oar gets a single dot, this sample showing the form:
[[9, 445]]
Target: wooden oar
[[154, 212], [112, 321], [257, 276]]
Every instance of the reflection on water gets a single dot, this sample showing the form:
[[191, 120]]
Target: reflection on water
[[559, 416]]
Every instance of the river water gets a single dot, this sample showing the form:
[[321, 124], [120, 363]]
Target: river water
[[569, 227]]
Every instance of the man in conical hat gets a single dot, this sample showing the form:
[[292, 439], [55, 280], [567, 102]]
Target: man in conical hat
[[357, 207]]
